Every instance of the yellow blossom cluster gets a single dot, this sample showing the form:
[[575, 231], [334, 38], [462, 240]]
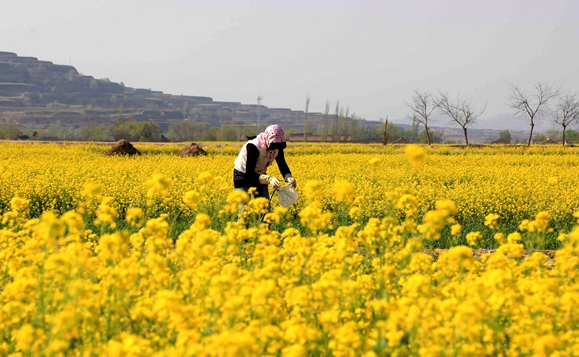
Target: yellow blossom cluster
[[158, 256], [366, 289], [514, 183]]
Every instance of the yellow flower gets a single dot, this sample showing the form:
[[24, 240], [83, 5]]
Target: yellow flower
[[344, 191], [542, 219], [238, 196], [313, 216], [491, 221], [433, 221], [313, 189], [236, 200], [134, 216], [19, 204], [354, 212], [24, 337], [50, 225], [258, 205], [524, 225], [455, 229], [473, 238], [458, 257], [192, 198], [415, 155], [500, 237], [91, 190], [409, 203], [252, 192], [74, 222], [511, 250], [276, 215], [106, 212], [561, 237], [202, 219], [514, 238], [375, 161], [447, 206], [544, 346], [158, 184], [204, 178]]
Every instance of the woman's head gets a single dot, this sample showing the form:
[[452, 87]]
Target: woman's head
[[272, 138]]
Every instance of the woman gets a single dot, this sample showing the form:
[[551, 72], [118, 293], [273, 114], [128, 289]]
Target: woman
[[250, 167]]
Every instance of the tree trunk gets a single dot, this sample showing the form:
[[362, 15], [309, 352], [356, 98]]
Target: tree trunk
[[385, 134], [530, 134], [465, 135], [564, 127], [427, 134]]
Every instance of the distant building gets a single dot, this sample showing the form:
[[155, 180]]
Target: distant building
[[400, 141], [500, 141]]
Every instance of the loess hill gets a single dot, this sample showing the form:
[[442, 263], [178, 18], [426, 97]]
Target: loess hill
[[35, 93]]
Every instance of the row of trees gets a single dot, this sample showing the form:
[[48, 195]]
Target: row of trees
[[338, 125], [551, 134], [131, 130], [189, 130], [9, 131], [531, 105], [461, 111]]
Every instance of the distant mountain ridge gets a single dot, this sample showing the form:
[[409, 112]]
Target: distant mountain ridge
[[35, 93]]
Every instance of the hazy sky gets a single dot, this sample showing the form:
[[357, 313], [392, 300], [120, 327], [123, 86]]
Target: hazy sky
[[370, 55]]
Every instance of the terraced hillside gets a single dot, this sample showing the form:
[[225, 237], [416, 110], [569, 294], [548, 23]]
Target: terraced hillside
[[35, 93]]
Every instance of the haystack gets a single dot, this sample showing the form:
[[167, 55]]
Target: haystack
[[123, 147], [192, 150]]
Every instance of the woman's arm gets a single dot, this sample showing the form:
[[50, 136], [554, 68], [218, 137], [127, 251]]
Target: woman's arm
[[280, 160], [252, 156]]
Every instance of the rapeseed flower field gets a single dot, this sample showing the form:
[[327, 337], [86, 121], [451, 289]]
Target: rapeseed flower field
[[352, 181], [152, 256]]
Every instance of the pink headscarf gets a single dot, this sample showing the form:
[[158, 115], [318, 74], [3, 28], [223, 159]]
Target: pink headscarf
[[272, 134]]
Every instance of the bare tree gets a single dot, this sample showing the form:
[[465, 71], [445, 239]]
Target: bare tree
[[353, 127], [343, 123], [336, 122], [532, 106], [326, 123], [422, 107], [307, 123], [385, 133], [462, 111], [567, 111]]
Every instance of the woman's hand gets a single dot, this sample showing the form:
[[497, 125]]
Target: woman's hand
[[291, 182], [272, 181]]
